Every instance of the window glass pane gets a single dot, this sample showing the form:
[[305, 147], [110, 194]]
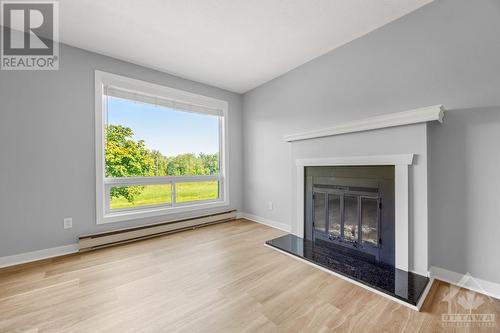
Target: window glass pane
[[139, 196], [369, 220], [334, 214], [147, 140], [351, 218], [319, 211], [196, 191]]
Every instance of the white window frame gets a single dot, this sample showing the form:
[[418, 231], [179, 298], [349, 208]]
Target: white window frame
[[173, 96]]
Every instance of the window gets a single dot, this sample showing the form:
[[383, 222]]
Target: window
[[158, 150]]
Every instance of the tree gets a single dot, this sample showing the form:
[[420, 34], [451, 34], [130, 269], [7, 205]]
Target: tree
[[185, 164], [210, 163], [160, 163], [125, 158]]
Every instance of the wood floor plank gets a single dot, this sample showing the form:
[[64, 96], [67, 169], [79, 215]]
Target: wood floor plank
[[219, 278]]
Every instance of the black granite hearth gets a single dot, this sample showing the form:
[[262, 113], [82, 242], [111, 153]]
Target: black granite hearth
[[406, 286]]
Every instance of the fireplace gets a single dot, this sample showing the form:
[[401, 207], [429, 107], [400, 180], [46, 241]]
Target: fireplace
[[353, 221], [346, 212], [351, 209]]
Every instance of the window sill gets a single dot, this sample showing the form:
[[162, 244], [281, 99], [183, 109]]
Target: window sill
[[155, 212]]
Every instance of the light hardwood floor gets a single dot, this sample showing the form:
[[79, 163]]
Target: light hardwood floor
[[219, 278]]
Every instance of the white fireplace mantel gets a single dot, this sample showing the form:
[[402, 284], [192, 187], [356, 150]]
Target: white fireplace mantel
[[401, 163], [416, 116]]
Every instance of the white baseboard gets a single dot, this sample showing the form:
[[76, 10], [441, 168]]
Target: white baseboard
[[423, 273], [423, 297], [467, 281], [261, 220], [23, 258]]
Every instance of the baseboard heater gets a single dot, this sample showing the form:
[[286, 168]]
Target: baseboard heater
[[110, 238]]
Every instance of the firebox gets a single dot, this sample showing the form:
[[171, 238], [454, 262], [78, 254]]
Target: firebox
[[351, 209]]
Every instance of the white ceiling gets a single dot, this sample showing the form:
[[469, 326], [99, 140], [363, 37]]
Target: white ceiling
[[232, 44]]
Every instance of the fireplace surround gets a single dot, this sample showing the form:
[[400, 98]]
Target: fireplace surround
[[400, 165], [379, 178], [395, 139]]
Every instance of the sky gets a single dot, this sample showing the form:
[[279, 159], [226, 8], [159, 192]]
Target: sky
[[167, 130]]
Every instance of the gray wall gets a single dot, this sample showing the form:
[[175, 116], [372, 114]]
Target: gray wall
[[47, 163], [446, 52]]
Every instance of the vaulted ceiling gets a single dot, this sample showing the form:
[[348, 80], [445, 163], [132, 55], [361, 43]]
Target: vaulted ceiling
[[232, 44]]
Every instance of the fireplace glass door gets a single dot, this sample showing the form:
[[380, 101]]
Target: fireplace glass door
[[369, 220], [334, 215], [350, 218], [320, 212], [347, 216]]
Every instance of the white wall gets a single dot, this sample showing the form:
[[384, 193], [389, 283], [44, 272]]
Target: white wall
[[47, 163], [446, 52]]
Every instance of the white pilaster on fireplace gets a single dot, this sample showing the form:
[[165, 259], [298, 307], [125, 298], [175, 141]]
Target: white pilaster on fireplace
[[401, 163], [401, 198]]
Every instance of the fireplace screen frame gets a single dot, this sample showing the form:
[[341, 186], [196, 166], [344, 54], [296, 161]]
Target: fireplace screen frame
[[342, 191]]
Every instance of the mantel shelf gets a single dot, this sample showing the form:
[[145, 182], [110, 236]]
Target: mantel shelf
[[421, 115]]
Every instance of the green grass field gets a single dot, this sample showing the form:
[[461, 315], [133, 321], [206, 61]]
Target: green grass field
[[160, 194]]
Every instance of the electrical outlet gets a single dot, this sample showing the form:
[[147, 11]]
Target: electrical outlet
[[68, 223], [270, 205]]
